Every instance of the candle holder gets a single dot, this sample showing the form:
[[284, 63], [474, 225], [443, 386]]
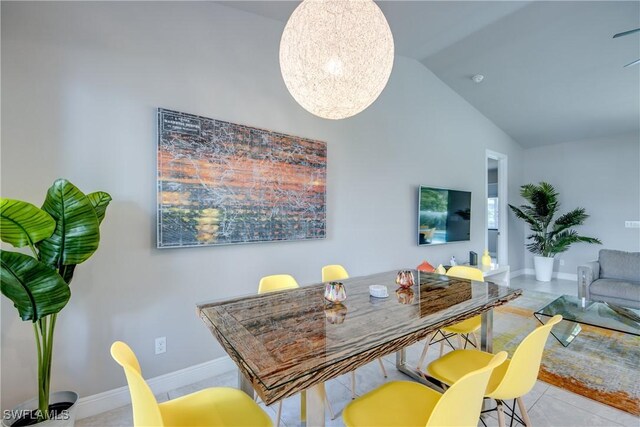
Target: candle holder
[[334, 292], [404, 278]]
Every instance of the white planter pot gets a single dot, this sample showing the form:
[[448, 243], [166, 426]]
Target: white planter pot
[[544, 268], [66, 419]]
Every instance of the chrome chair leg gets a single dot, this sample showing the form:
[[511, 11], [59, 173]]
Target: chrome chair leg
[[279, 414], [333, 416], [424, 351], [384, 371], [353, 385]]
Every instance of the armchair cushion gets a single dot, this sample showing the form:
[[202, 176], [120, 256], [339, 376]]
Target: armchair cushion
[[614, 290], [619, 265]]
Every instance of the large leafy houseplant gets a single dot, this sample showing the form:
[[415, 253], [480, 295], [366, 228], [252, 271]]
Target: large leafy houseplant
[[548, 236], [63, 233]]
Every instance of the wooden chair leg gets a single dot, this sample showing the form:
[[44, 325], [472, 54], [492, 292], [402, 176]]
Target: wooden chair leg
[[442, 347], [353, 384], [384, 371], [523, 411], [460, 345], [425, 350], [279, 414], [501, 421]]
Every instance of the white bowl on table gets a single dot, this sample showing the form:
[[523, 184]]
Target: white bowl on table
[[378, 291]]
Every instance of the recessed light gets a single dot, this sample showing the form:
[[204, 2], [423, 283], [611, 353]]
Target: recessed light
[[477, 78]]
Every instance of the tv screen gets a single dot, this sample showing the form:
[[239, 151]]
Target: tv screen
[[443, 216]]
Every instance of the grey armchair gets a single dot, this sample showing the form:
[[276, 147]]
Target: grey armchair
[[614, 277]]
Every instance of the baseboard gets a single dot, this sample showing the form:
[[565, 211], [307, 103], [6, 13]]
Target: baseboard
[[556, 274], [111, 399]]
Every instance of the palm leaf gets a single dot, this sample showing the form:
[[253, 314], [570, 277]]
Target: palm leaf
[[23, 224], [572, 218], [531, 220], [545, 202], [535, 248], [77, 234], [527, 191], [568, 220], [584, 239], [538, 244], [566, 238], [562, 241], [35, 288], [539, 220]]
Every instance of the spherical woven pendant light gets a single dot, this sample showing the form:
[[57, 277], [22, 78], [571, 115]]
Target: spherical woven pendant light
[[336, 56]]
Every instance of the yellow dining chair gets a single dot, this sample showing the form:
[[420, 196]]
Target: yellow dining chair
[[219, 406], [277, 282], [280, 282], [511, 380], [406, 403], [332, 273], [465, 329]]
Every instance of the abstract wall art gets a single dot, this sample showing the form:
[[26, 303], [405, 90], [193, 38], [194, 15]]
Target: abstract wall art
[[222, 183]]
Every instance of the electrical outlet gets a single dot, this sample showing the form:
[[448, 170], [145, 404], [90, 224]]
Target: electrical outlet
[[161, 345], [632, 224], [561, 261]]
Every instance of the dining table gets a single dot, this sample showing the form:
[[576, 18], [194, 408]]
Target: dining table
[[293, 341]]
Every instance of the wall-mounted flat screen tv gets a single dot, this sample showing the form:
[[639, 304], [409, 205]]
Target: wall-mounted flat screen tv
[[444, 216]]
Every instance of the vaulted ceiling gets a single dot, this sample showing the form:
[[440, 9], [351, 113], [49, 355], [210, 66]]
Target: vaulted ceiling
[[553, 72]]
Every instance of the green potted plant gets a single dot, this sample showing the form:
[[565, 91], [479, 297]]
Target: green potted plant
[[548, 237], [63, 233]]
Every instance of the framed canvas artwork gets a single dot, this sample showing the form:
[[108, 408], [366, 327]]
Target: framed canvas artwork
[[222, 183]]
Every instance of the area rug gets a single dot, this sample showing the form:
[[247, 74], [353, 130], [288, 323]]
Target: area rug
[[599, 364]]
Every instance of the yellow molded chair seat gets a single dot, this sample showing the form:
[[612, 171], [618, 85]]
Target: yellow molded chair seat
[[404, 403], [221, 406], [512, 380], [331, 273], [465, 327], [458, 363], [389, 404], [277, 282]]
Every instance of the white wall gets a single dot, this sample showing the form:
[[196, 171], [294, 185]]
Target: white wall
[[80, 86], [602, 176]]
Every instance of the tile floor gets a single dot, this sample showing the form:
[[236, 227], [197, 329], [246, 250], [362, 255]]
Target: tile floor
[[547, 405], [555, 286]]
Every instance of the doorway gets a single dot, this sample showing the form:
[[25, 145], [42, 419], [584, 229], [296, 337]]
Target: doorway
[[496, 202]]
